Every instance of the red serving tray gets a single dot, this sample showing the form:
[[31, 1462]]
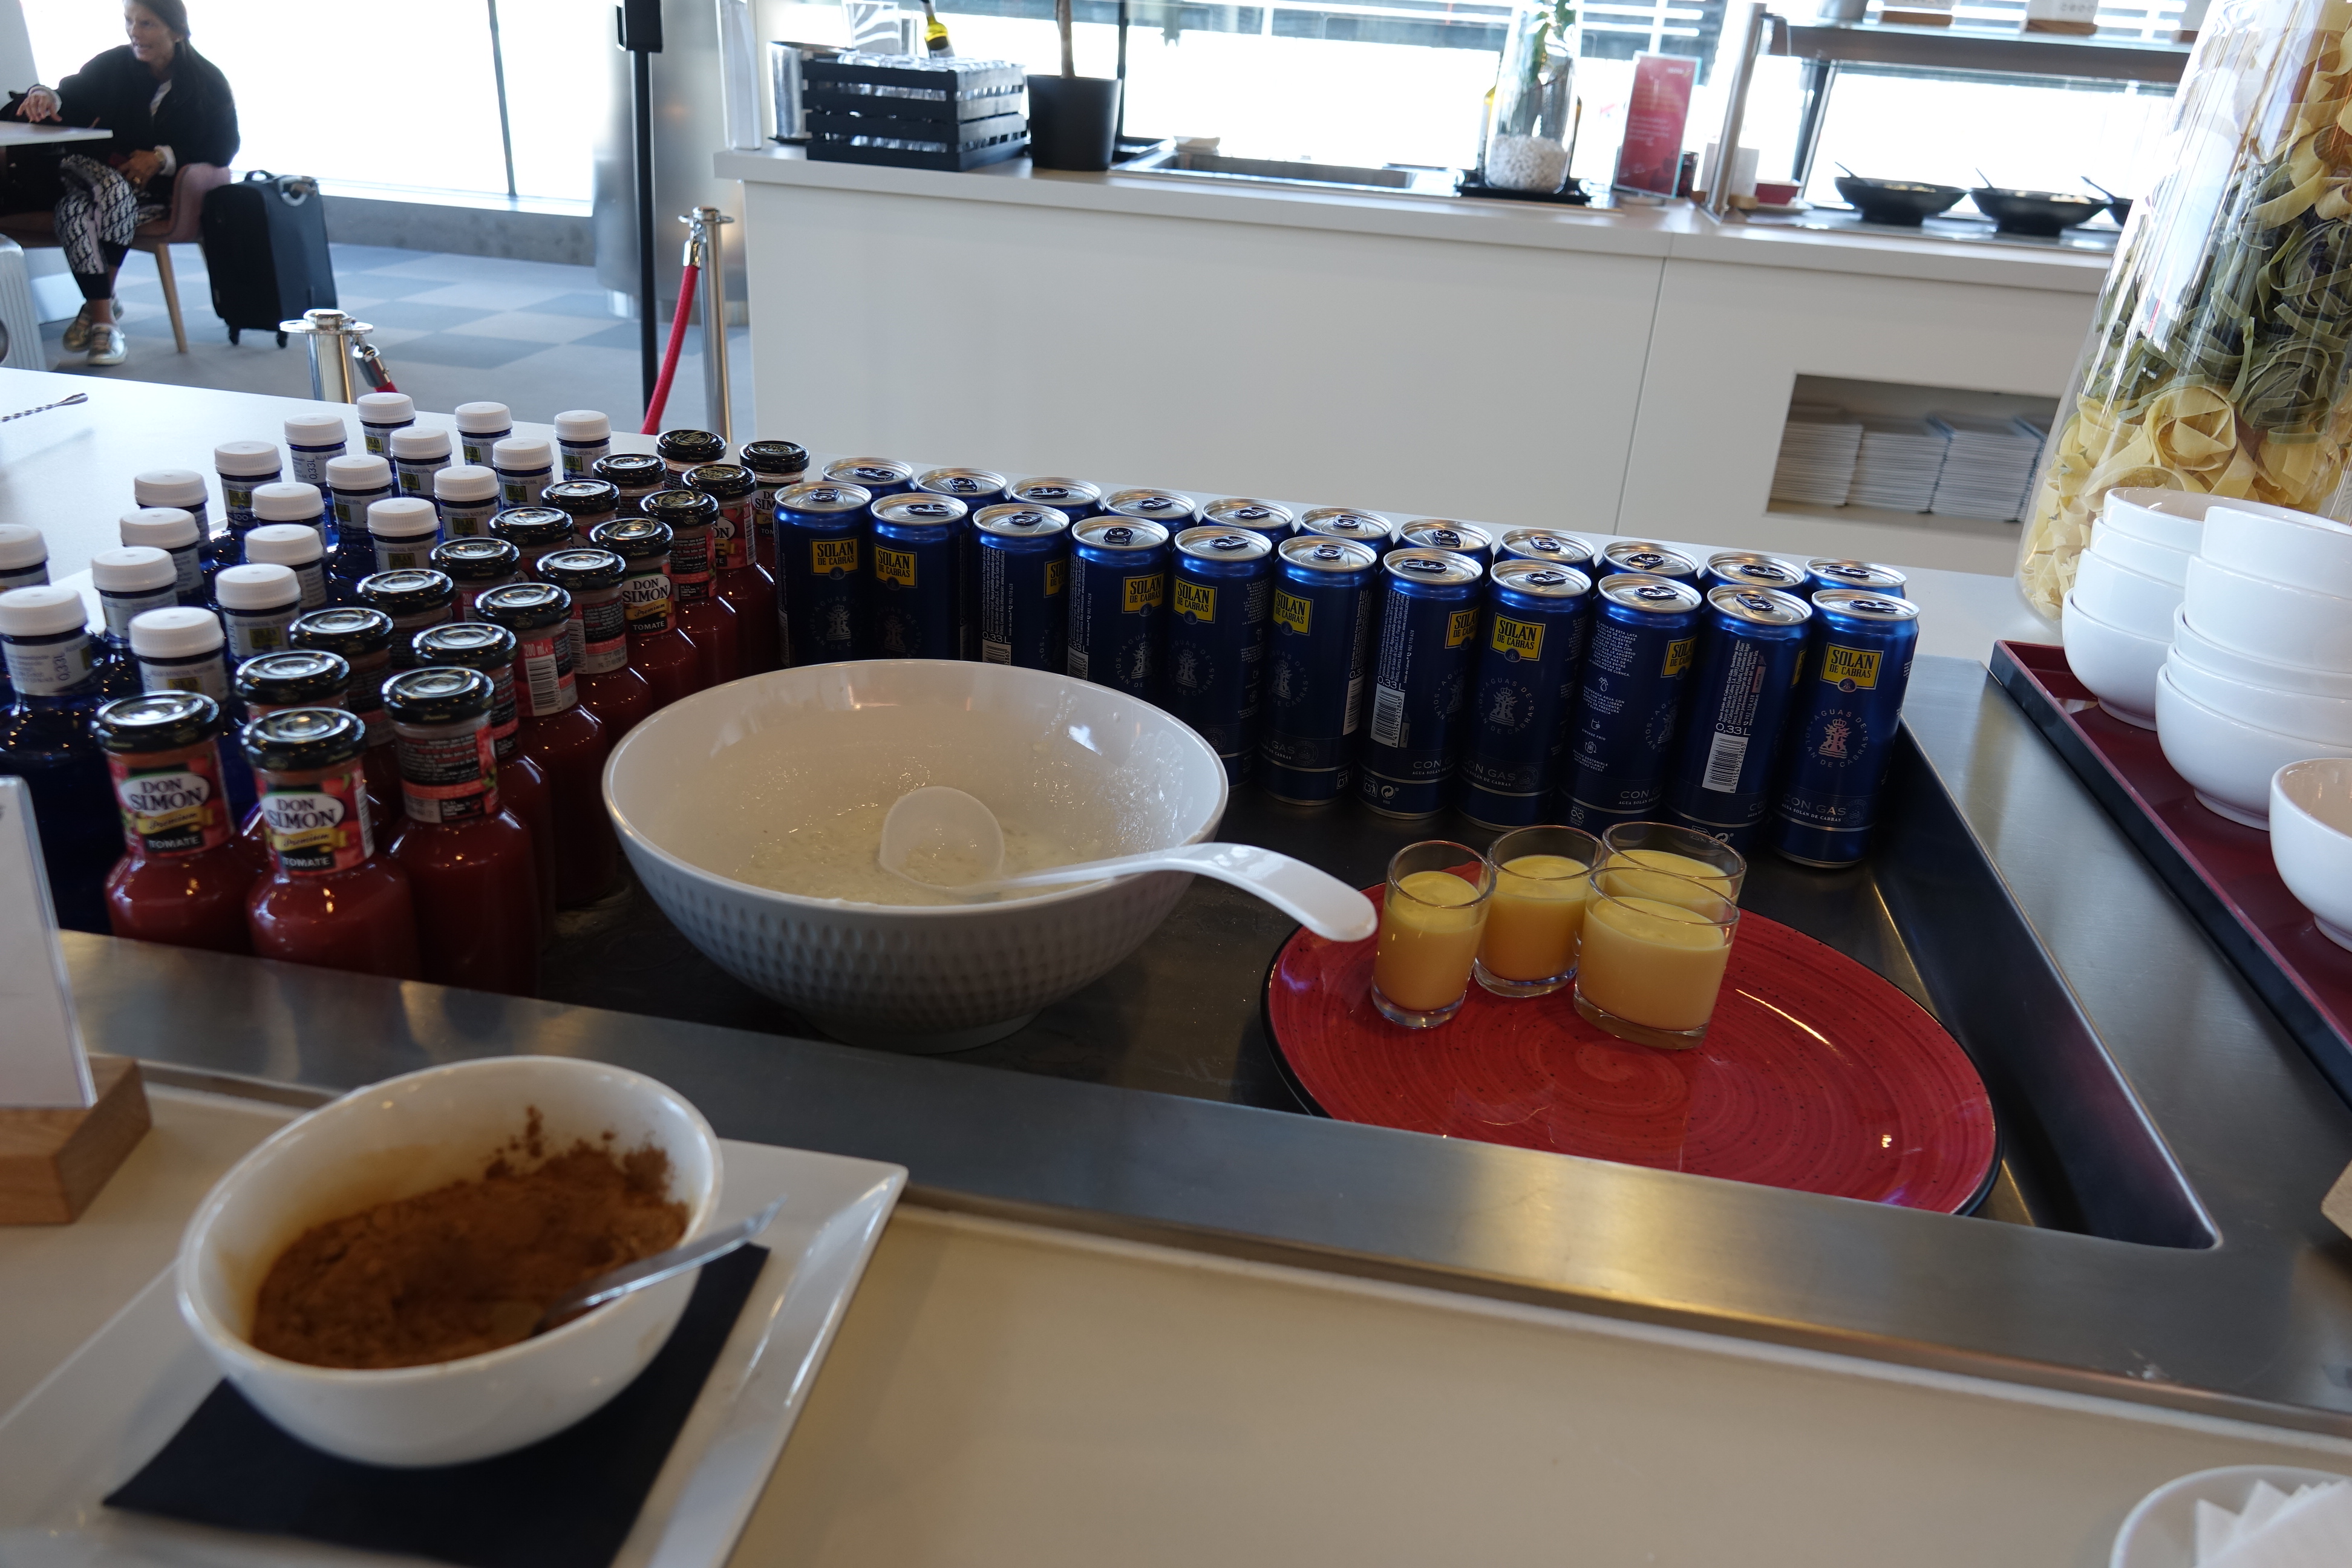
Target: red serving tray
[[2221, 869]]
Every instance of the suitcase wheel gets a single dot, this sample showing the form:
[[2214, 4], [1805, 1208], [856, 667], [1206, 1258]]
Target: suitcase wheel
[[232, 334], [282, 339]]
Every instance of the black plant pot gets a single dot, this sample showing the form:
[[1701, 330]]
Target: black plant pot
[[1073, 120]]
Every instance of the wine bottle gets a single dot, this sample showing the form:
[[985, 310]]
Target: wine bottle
[[935, 32]]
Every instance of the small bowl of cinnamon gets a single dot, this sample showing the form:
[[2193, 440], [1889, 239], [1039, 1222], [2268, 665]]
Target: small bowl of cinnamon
[[372, 1276]]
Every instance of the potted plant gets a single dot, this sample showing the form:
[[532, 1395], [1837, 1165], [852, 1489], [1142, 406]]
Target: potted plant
[[1073, 119]]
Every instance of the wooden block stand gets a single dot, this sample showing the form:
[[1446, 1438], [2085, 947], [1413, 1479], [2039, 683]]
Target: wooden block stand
[[53, 1162]]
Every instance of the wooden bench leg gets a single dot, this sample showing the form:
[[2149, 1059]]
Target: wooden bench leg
[[162, 254]]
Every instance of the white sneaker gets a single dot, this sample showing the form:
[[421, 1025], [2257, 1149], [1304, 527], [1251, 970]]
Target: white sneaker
[[77, 330], [108, 345]]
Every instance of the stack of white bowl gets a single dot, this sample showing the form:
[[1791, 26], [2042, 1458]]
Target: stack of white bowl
[[2127, 587], [2259, 674]]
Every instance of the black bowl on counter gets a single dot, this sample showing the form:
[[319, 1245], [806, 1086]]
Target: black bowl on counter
[[2035, 212], [1903, 202]]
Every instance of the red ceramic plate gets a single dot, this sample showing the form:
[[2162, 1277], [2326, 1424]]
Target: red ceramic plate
[[1815, 1074]]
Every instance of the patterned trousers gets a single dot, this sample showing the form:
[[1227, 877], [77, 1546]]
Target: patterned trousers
[[98, 213]]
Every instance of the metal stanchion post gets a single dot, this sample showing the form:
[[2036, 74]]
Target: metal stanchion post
[[331, 336], [704, 247]]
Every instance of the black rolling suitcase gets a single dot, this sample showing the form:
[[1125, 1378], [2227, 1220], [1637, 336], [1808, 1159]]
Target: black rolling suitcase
[[264, 242]]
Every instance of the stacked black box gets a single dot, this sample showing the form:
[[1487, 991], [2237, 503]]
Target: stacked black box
[[915, 114]]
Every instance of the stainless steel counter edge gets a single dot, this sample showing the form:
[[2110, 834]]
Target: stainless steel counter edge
[[2258, 1326], [1677, 232]]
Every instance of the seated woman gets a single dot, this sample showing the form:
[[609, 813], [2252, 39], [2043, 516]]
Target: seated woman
[[167, 105]]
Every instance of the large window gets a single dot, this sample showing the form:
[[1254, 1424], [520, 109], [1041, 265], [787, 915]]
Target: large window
[[399, 95]]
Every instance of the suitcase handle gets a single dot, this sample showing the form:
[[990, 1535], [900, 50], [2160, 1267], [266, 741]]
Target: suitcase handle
[[300, 188]]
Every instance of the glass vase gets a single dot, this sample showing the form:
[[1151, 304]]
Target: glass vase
[[1528, 143], [2216, 361]]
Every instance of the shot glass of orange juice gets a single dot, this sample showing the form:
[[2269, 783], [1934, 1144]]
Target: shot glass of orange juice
[[1431, 918], [1540, 879], [1678, 853], [1651, 957]]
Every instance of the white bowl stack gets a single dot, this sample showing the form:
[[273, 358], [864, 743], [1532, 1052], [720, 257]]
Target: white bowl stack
[[2259, 674], [2128, 587]]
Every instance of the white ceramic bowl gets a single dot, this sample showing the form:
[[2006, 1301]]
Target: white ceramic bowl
[[395, 1140], [2196, 647], [2311, 840], [2132, 601], [2160, 562], [2161, 1532], [696, 788], [2173, 519], [2289, 547], [2325, 719], [2270, 620], [2119, 666], [2228, 762]]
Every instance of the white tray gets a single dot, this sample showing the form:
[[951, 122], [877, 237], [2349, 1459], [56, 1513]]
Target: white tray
[[104, 1413]]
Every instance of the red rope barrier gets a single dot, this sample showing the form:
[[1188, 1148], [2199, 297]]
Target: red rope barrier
[[669, 356]]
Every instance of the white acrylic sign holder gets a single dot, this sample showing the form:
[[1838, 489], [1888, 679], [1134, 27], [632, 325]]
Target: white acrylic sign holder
[[42, 1063]]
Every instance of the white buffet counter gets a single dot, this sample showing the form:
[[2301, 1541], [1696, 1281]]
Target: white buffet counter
[[1613, 372]]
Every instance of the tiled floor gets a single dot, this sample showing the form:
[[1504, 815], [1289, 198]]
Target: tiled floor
[[536, 336]]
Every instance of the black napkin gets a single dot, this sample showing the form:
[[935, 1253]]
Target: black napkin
[[566, 1501]]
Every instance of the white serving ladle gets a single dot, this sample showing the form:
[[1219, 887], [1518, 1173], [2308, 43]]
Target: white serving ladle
[[943, 832]]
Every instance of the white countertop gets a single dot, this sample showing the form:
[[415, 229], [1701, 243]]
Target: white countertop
[[1677, 231], [68, 473], [1019, 1395]]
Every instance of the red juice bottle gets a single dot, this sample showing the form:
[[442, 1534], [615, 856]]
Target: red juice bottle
[[471, 863], [600, 636], [533, 531], [474, 565], [682, 449], [742, 583], [775, 466], [330, 899], [658, 651], [702, 615], [362, 638], [634, 476], [523, 788], [589, 503], [415, 597], [297, 677], [567, 742], [185, 880]]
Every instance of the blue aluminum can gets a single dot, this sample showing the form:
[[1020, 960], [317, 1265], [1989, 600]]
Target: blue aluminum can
[[1074, 499], [1552, 549], [1841, 733], [976, 488], [1746, 569], [1223, 593], [1537, 618], [1258, 516], [1430, 601], [1118, 603], [1171, 512], [1868, 577], [1465, 539], [820, 553], [1346, 523], [1315, 651], [915, 577], [877, 476], [1750, 644], [1641, 555], [1020, 599], [1621, 728]]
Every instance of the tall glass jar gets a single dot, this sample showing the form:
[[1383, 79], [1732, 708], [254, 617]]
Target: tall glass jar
[[1527, 141], [2216, 362]]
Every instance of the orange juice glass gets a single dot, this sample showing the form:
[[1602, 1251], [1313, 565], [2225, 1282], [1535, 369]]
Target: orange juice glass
[[1540, 880], [1432, 917], [1677, 852], [1651, 957]]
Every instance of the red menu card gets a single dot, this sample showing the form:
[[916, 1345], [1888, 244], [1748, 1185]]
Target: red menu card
[[1651, 157]]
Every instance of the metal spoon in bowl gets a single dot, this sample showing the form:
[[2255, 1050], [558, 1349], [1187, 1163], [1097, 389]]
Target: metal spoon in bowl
[[946, 840], [644, 1272]]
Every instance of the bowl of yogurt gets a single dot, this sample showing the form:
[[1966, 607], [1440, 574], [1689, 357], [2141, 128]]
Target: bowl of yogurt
[[752, 813]]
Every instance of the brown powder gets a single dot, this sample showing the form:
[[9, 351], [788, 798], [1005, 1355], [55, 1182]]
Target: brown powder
[[469, 1267]]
